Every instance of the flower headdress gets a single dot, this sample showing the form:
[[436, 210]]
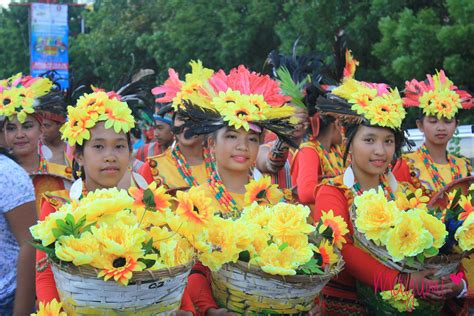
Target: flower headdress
[[436, 96], [92, 108], [207, 101], [18, 95]]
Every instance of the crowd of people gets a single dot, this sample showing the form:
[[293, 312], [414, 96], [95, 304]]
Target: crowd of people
[[321, 135]]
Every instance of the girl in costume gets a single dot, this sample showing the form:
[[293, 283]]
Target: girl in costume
[[22, 129], [99, 129], [431, 167], [373, 114]]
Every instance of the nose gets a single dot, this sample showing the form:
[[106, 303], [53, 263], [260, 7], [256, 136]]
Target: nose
[[243, 145], [20, 133], [379, 149]]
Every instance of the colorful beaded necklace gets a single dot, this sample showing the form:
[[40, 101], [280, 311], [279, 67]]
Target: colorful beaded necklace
[[328, 170], [222, 195], [185, 170], [383, 183], [430, 166], [43, 166]]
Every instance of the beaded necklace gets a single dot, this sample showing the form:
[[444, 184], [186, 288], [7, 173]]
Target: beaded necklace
[[328, 170], [43, 167], [185, 170], [222, 195], [385, 187], [430, 166]]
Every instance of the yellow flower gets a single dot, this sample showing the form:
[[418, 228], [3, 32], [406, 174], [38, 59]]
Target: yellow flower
[[262, 191], [176, 251], [194, 206], [288, 219], [278, 261], [79, 251], [238, 114], [465, 234], [408, 238], [257, 214], [52, 308], [259, 242], [120, 268], [401, 299], [326, 251], [158, 199], [76, 129], [385, 110], [418, 200], [337, 225], [118, 116], [435, 226], [104, 202], [375, 215], [442, 101], [466, 204]]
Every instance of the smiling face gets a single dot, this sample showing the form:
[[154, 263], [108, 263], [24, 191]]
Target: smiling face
[[372, 149], [105, 157], [235, 150], [437, 131], [23, 137]]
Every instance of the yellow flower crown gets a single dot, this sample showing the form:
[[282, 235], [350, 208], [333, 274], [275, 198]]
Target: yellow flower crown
[[93, 108], [18, 94], [437, 96], [378, 104]]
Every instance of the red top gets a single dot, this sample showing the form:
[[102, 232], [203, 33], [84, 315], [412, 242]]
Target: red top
[[358, 264], [305, 174], [148, 150], [46, 286], [199, 288]]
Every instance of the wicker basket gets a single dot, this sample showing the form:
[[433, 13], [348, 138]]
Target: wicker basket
[[156, 292], [248, 290]]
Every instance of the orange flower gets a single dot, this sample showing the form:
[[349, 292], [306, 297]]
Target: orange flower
[[337, 225], [263, 192], [466, 205], [152, 197], [326, 251], [194, 205], [122, 270]]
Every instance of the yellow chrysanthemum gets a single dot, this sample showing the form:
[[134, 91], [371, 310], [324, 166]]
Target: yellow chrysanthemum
[[465, 234], [262, 191], [43, 230], [418, 201], [103, 202], [326, 251], [79, 251], [375, 215], [176, 251], [401, 299], [278, 261], [257, 214], [435, 226], [52, 308], [337, 225], [288, 219], [408, 238], [385, 110]]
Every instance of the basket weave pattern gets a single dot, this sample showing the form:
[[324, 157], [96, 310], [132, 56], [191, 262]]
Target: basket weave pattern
[[148, 293], [245, 290]]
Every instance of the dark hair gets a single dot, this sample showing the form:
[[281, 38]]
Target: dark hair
[[352, 128], [79, 149], [324, 122]]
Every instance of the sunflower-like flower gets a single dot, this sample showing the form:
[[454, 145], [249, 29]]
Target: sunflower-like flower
[[52, 308], [194, 206], [326, 251], [239, 113], [465, 234], [465, 202], [401, 299], [263, 192], [288, 219], [385, 110], [120, 268], [375, 215], [337, 226], [118, 116], [409, 237], [79, 251], [417, 200], [76, 129], [150, 204]]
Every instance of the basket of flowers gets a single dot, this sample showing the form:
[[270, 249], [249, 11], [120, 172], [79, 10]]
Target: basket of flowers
[[410, 235], [113, 251], [270, 260]]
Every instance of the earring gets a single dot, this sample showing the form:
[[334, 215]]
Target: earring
[[78, 173]]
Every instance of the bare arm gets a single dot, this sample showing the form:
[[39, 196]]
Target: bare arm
[[20, 219]]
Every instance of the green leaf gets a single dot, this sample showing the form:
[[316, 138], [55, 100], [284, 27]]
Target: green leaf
[[430, 252], [148, 262], [244, 256], [148, 246], [420, 257], [283, 246], [57, 232], [149, 199]]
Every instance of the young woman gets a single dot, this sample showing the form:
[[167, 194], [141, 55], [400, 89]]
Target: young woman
[[374, 138], [431, 167], [17, 214], [102, 151], [23, 130]]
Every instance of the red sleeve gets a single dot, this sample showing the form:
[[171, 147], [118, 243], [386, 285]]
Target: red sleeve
[[145, 172], [401, 171], [305, 174], [187, 303], [141, 153], [45, 285], [358, 263], [199, 288]]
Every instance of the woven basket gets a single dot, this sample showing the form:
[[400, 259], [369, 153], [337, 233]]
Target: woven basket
[[247, 289], [156, 292]]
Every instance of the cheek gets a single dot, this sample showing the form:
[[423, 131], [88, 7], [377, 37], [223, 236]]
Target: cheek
[[9, 137]]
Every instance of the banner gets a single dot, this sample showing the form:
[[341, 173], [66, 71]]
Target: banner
[[49, 41]]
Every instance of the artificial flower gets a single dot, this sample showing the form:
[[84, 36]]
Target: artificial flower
[[52, 308], [79, 251], [279, 260], [43, 230], [176, 251], [375, 215], [288, 219], [417, 200], [401, 299], [257, 214], [120, 268], [408, 238], [194, 206], [326, 251], [434, 225], [465, 234], [262, 191], [120, 239], [386, 110], [150, 204], [118, 116], [337, 225], [465, 202]]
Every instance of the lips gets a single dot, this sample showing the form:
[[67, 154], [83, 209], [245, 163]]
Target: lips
[[240, 159], [110, 169], [378, 162], [19, 144], [441, 136]]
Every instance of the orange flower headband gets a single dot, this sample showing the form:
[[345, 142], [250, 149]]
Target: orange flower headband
[[378, 104], [93, 108], [18, 95], [437, 96]]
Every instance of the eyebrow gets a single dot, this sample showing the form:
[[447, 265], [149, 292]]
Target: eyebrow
[[375, 135], [103, 139]]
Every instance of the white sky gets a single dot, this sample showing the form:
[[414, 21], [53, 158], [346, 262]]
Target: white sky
[[4, 3]]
